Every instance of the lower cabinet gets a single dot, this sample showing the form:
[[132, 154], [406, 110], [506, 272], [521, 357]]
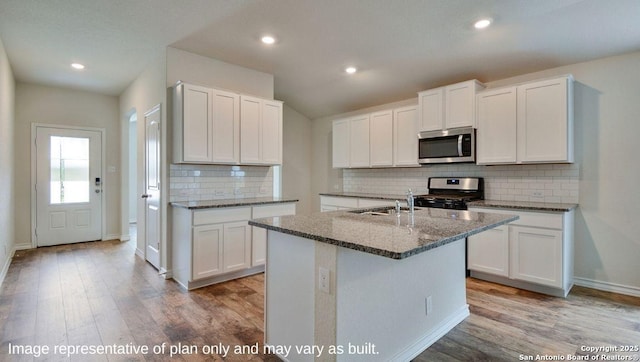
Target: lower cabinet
[[218, 244], [534, 252]]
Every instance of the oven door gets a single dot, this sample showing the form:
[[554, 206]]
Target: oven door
[[455, 145]]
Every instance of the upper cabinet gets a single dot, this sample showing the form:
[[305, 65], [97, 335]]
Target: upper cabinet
[[387, 138], [206, 125], [260, 131], [212, 126], [447, 107], [527, 123]]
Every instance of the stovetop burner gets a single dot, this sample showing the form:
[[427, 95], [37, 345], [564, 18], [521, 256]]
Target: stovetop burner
[[451, 193]]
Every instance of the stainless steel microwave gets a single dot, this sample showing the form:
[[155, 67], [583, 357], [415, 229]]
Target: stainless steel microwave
[[453, 145]]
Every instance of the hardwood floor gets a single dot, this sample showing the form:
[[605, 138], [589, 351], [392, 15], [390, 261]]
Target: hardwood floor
[[99, 293]]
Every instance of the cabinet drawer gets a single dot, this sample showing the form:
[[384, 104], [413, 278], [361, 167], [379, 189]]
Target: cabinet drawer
[[273, 210], [220, 215], [527, 218]]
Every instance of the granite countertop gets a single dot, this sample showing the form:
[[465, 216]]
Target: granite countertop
[[208, 204], [363, 195], [388, 235], [524, 205]]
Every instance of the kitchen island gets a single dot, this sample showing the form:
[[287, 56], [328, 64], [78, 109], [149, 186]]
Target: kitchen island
[[363, 285]]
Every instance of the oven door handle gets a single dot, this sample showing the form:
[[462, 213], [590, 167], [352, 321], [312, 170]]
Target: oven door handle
[[460, 145]]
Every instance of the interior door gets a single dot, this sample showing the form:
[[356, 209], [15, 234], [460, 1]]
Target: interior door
[[152, 186], [68, 188]]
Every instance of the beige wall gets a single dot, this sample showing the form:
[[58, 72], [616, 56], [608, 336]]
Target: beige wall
[[60, 106], [148, 90], [607, 238], [296, 159], [7, 196], [208, 72]]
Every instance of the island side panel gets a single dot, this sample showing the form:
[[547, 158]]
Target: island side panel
[[382, 301], [289, 292]]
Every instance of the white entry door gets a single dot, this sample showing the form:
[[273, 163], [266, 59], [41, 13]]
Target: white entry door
[[68, 188], [152, 186]]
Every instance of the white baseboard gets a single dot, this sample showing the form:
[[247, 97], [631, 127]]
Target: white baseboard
[[125, 237], [24, 246], [140, 253], [427, 340], [607, 286], [111, 237], [5, 265]]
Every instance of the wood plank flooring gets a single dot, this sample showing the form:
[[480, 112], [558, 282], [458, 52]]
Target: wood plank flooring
[[100, 293]]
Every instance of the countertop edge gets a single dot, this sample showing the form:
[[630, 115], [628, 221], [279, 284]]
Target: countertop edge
[[523, 205], [356, 195], [217, 204]]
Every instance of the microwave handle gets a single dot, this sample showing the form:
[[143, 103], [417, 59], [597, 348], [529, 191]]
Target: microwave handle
[[460, 145]]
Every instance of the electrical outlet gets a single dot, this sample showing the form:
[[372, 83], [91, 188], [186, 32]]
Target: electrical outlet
[[323, 279], [237, 191], [428, 305], [219, 192], [537, 194]]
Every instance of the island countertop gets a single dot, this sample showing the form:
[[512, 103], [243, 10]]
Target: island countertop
[[386, 235]]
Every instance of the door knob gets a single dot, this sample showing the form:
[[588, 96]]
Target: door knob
[[145, 196]]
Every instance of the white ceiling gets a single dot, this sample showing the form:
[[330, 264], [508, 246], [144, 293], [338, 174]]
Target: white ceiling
[[400, 46]]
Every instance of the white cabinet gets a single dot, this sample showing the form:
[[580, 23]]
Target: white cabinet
[[545, 121], [528, 123], [534, 252], [340, 147], [259, 235], [431, 105], [387, 138], [497, 130], [381, 139], [260, 131], [488, 251], [207, 250], [536, 255], [351, 142], [218, 244], [359, 141], [206, 125], [452, 106], [405, 136]]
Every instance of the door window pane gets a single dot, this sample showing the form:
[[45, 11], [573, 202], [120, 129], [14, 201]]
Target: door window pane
[[69, 170]]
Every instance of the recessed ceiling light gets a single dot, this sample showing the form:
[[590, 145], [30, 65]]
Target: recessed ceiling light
[[482, 23], [267, 39], [77, 66], [351, 70]]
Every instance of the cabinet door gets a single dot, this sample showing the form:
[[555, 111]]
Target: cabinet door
[[536, 255], [496, 134], [226, 127], [236, 246], [381, 138], [271, 136], [207, 251], [544, 119], [340, 147], [196, 125], [405, 136], [259, 235], [488, 251], [250, 123], [460, 102], [431, 105], [359, 141]]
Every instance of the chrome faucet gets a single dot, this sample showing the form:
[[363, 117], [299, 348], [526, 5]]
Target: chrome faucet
[[398, 208], [410, 201]]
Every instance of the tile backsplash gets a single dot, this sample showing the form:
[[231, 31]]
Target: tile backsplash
[[216, 182], [541, 183]]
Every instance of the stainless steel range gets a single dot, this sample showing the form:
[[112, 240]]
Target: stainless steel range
[[451, 192]]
